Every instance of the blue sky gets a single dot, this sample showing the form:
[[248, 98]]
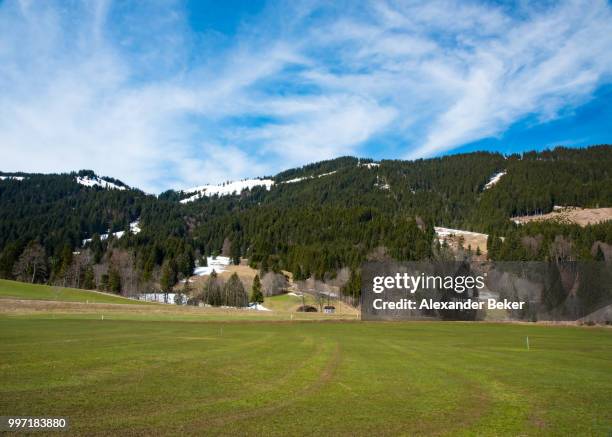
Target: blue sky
[[180, 93]]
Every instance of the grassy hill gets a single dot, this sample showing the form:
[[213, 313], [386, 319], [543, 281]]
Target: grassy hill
[[244, 378], [21, 290]]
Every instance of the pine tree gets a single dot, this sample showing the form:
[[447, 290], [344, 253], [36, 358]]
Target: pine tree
[[8, 258], [88, 279], [168, 276], [353, 286], [114, 280], [256, 294], [96, 247], [65, 263], [235, 252], [185, 264], [234, 293], [103, 282], [212, 293]]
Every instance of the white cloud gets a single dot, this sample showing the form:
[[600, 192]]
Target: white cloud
[[133, 93]]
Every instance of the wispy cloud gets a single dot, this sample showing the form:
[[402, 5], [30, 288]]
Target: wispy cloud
[[138, 95]]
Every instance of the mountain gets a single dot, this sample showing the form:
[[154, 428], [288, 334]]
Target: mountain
[[311, 220]]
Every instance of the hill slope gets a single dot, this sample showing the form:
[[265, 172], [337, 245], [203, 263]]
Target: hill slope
[[310, 221], [21, 290]]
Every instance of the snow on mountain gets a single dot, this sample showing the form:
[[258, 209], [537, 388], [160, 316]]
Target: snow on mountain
[[134, 229], [370, 164], [381, 184], [96, 181], [326, 174], [16, 178], [226, 189], [447, 232], [291, 181], [494, 179], [218, 264]]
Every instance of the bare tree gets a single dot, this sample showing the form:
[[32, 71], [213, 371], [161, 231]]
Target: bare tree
[[561, 249], [32, 263], [125, 262], [79, 264], [320, 299], [274, 283]]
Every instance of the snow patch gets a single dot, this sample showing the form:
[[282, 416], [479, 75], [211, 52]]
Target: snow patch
[[134, 229], [258, 307], [291, 181], [326, 174], [96, 181], [447, 232], [494, 179], [225, 189], [370, 164], [169, 298], [217, 264], [381, 184], [444, 233], [12, 178]]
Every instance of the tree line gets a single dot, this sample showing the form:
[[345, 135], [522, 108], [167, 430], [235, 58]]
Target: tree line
[[311, 228]]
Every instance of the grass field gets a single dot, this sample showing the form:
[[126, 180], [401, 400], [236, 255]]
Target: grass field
[[147, 377], [21, 290]]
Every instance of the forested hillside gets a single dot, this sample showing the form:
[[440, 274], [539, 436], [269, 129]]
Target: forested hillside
[[74, 229]]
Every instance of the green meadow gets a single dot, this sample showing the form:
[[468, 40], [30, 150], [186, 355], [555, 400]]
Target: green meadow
[[147, 377], [22, 290], [161, 369]]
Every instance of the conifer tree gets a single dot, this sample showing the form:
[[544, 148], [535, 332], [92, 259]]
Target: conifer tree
[[88, 278], [353, 286], [235, 252], [256, 294], [8, 258], [65, 263], [234, 292], [114, 280], [96, 247], [212, 293], [103, 282], [185, 264], [168, 276]]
